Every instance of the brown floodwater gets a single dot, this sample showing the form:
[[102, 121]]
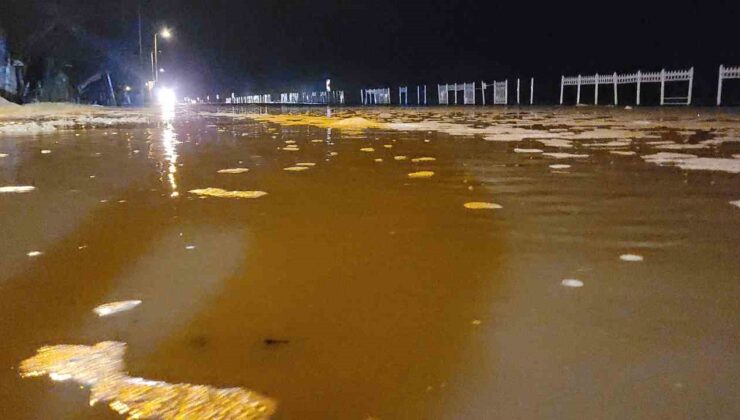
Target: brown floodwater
[[355, 290]]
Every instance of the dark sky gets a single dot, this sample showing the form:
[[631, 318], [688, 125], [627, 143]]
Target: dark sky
[[255, 45]]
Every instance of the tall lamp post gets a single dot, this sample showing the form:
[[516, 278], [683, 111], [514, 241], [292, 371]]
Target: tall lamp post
[[166, 34]]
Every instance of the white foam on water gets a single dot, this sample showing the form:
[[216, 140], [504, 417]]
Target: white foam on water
[[663, 158], [711, 164], [561, 155], [572, 283], [735, 203], [623, 152], [16, 189], [556, 143], [559, 166], [680, 146], [34, 253], [233, 171], [631, 257], [519, 150], [116, 307]]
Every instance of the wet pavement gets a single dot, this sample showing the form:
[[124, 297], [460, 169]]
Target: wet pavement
[[374, 263]]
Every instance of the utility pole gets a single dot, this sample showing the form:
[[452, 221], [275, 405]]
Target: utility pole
[[141, 49]]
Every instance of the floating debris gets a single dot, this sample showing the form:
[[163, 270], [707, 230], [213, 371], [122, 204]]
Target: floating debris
[[400, 157], [424, 159], [34, 253], [480, 205], [317, 141], [190, 247], [305, 164], [218, 192], [378, 160], [572, 283], [631, 257], [101, 368], [16, 189], [735, 203], [116, 307], [2, 155], [476, 322], [388, 146], [233, 170], [367, 149], [45, 152], [421, 174], [296, 168], [559, 166]]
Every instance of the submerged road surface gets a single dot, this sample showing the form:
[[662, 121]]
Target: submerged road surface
[[370, 264]]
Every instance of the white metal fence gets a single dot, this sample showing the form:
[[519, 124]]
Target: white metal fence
[[725, 73], [638, 78], [468, 90], [376, 96]]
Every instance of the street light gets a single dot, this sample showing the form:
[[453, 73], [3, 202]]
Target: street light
[[166, 34]]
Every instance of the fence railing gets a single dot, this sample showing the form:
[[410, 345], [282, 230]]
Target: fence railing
[[638, 78], [725, 73]]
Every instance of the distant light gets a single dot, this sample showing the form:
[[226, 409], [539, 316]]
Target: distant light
[[328, 85], [166, 97], [128, 88], [165, 33], [150, 84], [161, 70]]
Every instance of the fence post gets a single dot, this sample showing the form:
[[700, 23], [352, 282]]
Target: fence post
[[578, 91], [425, 94], [614, 79], [691, 85], [562, 84], [455, 93], [639, 78], [517, 91], [483, 91], [719, 85], [596, 89], [506, 92], [662, 86], [531, 90]]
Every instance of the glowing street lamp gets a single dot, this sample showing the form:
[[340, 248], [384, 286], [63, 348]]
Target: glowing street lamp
[[166, 34]]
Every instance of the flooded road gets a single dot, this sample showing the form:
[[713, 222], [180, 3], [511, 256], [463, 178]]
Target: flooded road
[[376, 263]]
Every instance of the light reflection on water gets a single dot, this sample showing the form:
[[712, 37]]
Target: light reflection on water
[[169, 142]]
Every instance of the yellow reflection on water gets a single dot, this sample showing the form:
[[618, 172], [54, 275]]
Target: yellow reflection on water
[[101, 367]]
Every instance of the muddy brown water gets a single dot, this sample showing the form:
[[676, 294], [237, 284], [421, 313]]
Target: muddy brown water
[[353, 291]]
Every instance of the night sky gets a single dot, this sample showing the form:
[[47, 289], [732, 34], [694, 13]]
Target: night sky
[[250, 46]]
